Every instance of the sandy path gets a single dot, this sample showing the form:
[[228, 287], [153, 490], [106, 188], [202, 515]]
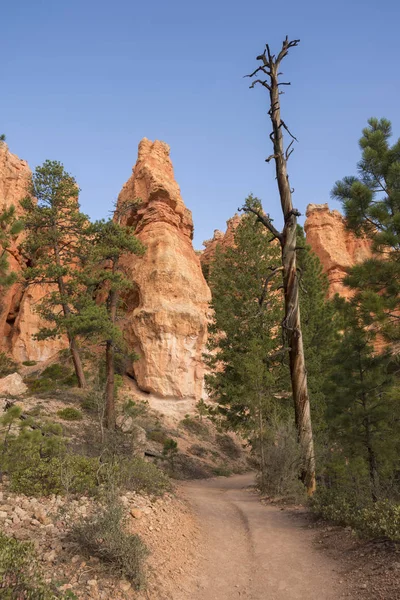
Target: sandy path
[[252, 551]]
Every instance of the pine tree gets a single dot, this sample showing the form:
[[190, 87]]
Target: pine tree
[[10, 227], [371, 205], [102, 274], [362, 399], [244, 343], [55, 243]]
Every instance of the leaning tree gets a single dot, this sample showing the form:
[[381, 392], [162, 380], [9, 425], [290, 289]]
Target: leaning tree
[[287, 239]]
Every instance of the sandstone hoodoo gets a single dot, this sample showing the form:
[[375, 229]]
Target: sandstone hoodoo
[[166, 320], [220, 239], [18, 320], [337, 248]]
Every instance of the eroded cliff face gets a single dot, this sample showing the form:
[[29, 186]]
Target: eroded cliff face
[[336, 247], [166, 321], [220, 239], [18, 319]]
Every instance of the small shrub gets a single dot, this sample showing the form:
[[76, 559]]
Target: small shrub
[[228, 446], [72, 474], [198, 450], [51, 378], [170, 447], [70, 414], [40, 479], [186, 467], [139, 475], [195, 426], [29, 363], [134, 409], [79, 474], [157, 435], [170, 450], [203, 409], [222, 471], [371, 520], [104, 536], [38, 465], [7, 365], [282, 462], [20, 572], [35, 410]]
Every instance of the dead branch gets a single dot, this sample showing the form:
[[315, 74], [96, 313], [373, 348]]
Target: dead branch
[[283, 124], [274, 270], [264, 83], [264, 219]]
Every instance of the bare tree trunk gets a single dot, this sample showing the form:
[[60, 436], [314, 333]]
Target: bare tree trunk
[[76, 359], [262, 449], [109, 417], [287, 238], [73, 346]]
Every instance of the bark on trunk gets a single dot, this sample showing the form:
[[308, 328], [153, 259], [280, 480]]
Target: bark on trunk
[[109, 416], [73, 346], [292, 322], [76, 359], [372, 465], [262, 451]]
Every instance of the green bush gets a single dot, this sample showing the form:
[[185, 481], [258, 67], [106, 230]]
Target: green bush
[[157, 435], [70, 414], [195, 426], [139, 475], [72, 474], [372, 520], [79, 474], [29, 363], [7, 365], [222, 471], [40, 479], [20, 573], [103, 536], [53, 377], [38, 464]]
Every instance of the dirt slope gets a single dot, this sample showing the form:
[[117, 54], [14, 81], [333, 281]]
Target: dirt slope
[[253, 551]]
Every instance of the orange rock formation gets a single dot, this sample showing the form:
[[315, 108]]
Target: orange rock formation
[[166, 321], [223, 240], [336, 247], [18, 320]]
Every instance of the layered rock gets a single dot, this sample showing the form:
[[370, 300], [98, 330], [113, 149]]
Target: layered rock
[[166, 322], [18, 319], [220, 239], [336, 247]]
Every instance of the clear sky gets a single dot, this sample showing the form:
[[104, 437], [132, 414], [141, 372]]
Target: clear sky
[[83, 81]]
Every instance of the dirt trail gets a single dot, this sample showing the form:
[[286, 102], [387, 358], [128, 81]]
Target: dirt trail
[[255, 552]]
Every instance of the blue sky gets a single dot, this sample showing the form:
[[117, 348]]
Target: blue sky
[[83, 81]]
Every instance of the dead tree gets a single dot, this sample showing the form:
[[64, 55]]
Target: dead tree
[[287, 238]]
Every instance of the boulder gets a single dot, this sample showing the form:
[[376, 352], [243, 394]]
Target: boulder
[[13, 385]]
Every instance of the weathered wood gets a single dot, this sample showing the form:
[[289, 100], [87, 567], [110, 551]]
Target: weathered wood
[[287, 239]]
